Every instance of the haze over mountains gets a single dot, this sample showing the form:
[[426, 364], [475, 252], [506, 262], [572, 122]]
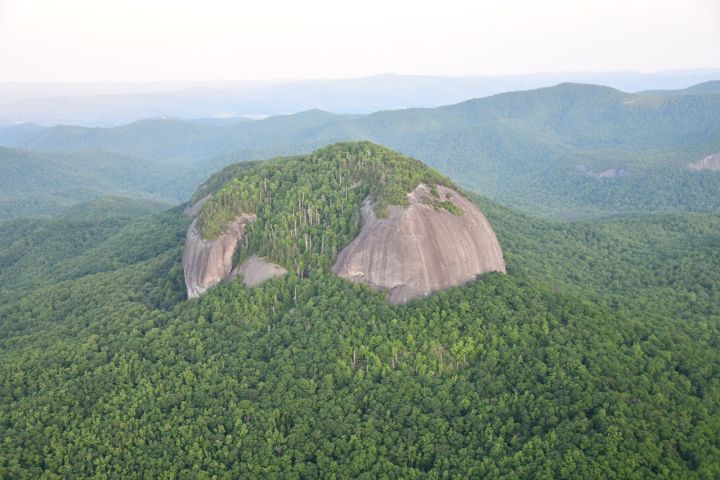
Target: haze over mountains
[[112, 103], [570, 149]]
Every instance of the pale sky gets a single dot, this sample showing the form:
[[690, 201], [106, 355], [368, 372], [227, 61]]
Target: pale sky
[[147, 40]]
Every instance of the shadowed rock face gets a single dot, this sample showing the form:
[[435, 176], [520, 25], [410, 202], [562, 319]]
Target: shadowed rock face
[[256, 270], [207, 262], [711, 162], [420, 249]]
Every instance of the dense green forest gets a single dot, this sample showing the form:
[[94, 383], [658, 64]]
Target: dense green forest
[[308, 207], [535, 150], [596, 356], [45, 183], [102, 235]]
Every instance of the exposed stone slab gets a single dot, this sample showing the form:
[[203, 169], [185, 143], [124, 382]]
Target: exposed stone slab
[[208, 262], [421, 248], [609, 173], [194, 209], [255, 270], [711, 162]]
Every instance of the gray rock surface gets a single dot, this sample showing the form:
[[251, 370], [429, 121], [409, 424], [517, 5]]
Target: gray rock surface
[[711, 162], [609, 173], [256, 269], [208, 262], [420, 249], [194, 209]]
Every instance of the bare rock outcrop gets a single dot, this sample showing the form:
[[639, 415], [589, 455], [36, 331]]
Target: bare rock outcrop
[[208, 262], [609, 173], [421, 248], [711, 162], [255, 270], [194, 209]]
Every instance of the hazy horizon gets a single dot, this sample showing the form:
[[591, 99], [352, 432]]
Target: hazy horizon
[[140, 42], [272, 80]]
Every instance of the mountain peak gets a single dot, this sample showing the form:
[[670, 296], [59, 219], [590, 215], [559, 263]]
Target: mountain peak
[[300, 212]]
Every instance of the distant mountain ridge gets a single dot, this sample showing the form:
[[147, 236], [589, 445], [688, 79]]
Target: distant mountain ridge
[[521, 148], [44, 183], [710, 87], [562, 105], [111, 104]]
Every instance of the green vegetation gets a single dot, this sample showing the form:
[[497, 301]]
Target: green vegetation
[[597, 356], [449, 206], [523, 149], [308, 207], [219, 179], [43, 183], [104, 235]]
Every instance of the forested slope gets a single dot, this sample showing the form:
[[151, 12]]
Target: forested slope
[[540, 150], [308, 207], [46, 183], [102, 235], [595, 357]]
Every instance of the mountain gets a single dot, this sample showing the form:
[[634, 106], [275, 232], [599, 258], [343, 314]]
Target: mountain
[[417, 234], [540, 150], [595, 356], [19, 133], [184, 142], [113, 103], [45, 183], [40, 251], [711, 87]]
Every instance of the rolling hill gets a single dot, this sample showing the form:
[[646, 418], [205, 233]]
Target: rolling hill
[[44, 183], [709, 87], [539, 150]]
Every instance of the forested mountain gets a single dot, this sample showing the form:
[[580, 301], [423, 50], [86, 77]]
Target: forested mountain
[[596, 356], [112, 103], [38, 252], [45, 183], [418, 235], [16, 134], [710, 87], [566, 150]]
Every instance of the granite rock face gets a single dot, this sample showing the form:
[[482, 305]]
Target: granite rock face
[[421, 248], [194, 209], [208, 262], [711, 162], [609, 173], [255, 270]]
